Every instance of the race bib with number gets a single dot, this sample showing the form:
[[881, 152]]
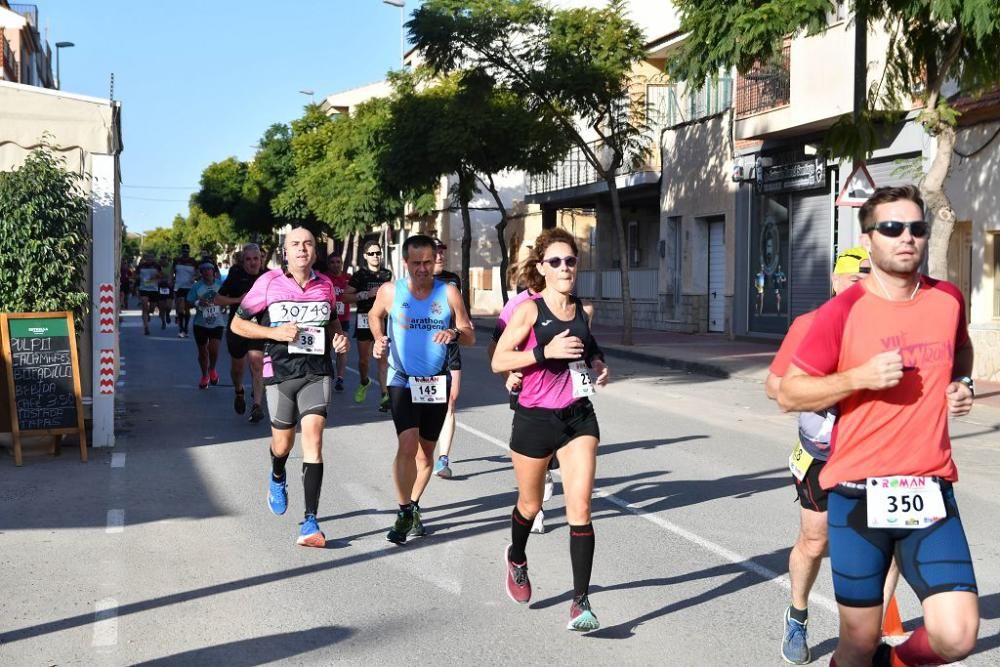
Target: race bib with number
[[583, 385], [210, 313], [799, 461], [165, 291], [311, 340], [362, 320], [312, 313], [340, 308], [904, 502], [432, 389]]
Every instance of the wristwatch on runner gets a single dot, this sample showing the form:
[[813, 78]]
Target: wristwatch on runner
[[968, 382]]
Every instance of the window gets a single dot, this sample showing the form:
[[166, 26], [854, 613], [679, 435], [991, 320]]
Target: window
[[685, 103], [674, 224], [836, 13], [633, 243]]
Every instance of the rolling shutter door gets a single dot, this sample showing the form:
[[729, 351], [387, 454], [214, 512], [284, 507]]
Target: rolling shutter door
[[810, 253]]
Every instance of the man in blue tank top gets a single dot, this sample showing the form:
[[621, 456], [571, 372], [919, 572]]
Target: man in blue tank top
[[419, 309]]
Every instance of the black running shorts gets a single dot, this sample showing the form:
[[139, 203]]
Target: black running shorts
[[238, 346], [291, 400], [540, 432], [428, 418], [812, 496], [454, 357], [203, 334], [362, 334]]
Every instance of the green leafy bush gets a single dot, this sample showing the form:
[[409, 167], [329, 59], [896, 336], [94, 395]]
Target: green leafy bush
[[44, 243]]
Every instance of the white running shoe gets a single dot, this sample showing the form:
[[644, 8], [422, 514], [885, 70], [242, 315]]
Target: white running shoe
[[538, 525], [549, 487]]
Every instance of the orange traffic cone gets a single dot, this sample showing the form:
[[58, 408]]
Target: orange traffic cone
[[892, 624]]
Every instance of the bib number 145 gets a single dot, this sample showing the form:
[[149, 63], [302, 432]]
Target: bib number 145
[[432, 389]]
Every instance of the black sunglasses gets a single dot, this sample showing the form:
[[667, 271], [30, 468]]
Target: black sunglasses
[[373, 254], [894, 228], [556, 262]]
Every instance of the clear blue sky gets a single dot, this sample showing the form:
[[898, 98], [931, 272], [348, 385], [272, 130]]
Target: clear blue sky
[[201, 80]]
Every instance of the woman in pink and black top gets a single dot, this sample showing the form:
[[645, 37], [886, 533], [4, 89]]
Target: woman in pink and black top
[[548, 339]]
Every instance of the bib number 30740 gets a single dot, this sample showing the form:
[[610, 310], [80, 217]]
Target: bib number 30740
[[311, 340], [583, 384], [904, 502], [432, 389]]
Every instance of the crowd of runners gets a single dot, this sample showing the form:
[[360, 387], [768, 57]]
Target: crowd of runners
[[874, 374]]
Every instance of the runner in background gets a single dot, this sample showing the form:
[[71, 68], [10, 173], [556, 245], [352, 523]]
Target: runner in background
[[441, 466], [185, 272], [209, 323], [340, 279], [361, 289]]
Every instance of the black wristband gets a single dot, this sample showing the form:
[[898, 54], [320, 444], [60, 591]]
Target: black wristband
[[539, 352]]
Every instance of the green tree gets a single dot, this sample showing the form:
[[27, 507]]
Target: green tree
[[573, 65], [43, 235], [932, 46], [131, 246], [465, 124]]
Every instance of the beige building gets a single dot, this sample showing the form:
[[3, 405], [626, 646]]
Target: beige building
[[25, 57]]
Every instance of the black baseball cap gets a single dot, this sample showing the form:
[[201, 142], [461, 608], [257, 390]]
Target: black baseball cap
[[439, 244]]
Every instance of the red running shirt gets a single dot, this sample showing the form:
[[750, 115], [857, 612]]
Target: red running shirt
[[902, 430]]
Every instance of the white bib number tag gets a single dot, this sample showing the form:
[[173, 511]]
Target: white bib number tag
[[799, 461], [433, 389], [904, 502], [340, 307], [362, 320], [211, 313], [311, 340], [583, 385], [165, 291]]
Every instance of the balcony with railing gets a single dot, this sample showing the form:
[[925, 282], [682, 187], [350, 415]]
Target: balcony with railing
[[575, 170], [765, 86], [8, 63]]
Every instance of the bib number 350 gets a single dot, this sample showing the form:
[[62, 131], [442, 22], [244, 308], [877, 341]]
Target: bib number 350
[[311, 340], [904, 502]]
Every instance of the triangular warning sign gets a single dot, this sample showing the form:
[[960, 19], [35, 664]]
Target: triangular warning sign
[[858, 187]]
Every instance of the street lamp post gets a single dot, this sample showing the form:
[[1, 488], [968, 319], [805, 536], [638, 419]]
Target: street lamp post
[[59, 46], [397, 258], [310, 92], [402, 20]]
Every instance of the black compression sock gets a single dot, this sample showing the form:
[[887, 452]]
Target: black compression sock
[[800, 615], [581, 554], [406, 509], [312, 483], [278, 466], [520, 529]]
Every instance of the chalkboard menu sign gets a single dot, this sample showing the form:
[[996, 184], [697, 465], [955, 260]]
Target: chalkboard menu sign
[[43, 375]]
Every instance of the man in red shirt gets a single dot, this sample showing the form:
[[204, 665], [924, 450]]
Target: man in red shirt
[[340, 278], [893, 352]]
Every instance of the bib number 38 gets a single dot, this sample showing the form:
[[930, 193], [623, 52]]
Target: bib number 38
[[904, 502], [311, 340]]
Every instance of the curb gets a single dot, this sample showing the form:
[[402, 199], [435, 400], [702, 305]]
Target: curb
[[701, 368]]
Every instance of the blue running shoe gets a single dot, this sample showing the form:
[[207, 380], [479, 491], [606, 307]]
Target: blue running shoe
[[581, 616], [310, 535], [794, 645], [277, 496], [441, 468]]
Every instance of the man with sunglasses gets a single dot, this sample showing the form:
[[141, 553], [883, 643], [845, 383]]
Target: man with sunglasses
[[442, 468], [361, 289], [893, 352]]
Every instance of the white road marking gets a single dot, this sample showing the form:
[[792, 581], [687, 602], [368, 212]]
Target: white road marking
[[118, 460], [720, 551], [106, 623], [116, 522]]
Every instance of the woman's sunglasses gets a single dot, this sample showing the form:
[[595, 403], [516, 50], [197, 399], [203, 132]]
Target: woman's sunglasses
[[373, 254], [556, 262], [894, 228]]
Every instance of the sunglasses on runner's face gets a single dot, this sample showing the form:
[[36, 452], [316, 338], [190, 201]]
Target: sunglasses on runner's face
[[894, 228], [373, 254], [556, 262]]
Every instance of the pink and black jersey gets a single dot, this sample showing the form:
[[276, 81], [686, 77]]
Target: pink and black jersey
[[549, 384], [278, 299]]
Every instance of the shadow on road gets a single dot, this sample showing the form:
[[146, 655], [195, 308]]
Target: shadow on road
[[257, 651]]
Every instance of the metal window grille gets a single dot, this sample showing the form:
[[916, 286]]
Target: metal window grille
[[765, 85]]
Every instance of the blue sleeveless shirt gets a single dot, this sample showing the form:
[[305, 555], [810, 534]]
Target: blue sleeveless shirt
[[412, 325]]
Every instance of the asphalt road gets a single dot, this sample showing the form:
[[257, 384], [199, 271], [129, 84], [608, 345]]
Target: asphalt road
[[163, 552]]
